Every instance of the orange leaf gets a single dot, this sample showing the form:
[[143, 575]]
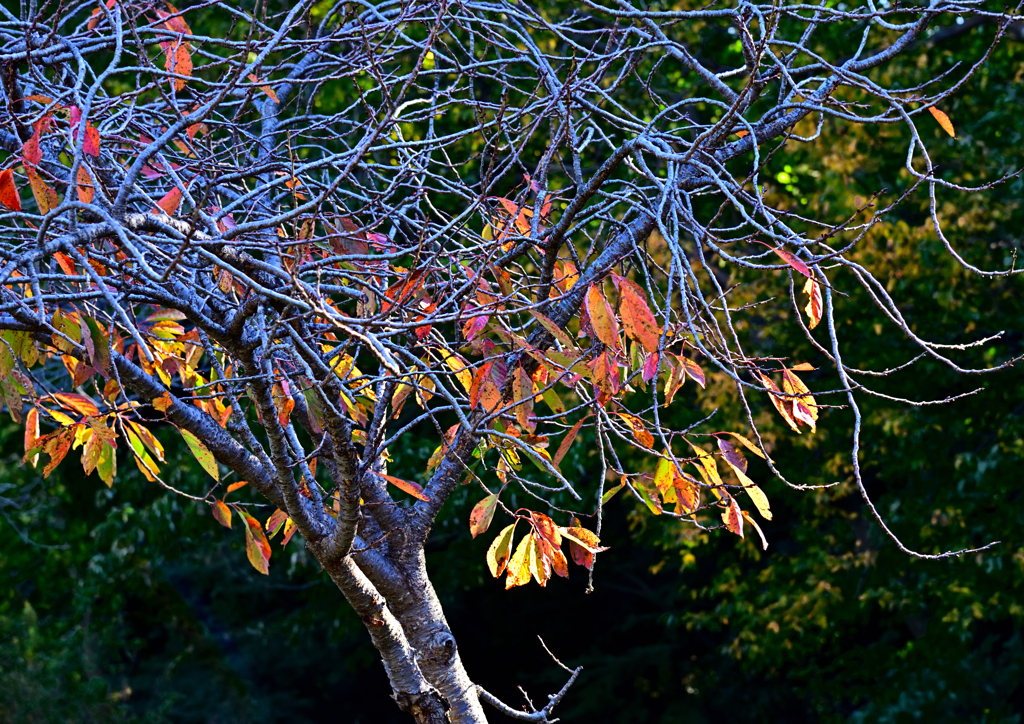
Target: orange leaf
[[943, 119], [169, 203], [640, 433], [46, 198], [235, 486], [482, 514], [8, 191], [222, 513], [567, 442], [79, 403], [85, 188], [178, 60], [265, 88], [546, 529], [602, 319], [32, 433], [814, 304], [413, 489]]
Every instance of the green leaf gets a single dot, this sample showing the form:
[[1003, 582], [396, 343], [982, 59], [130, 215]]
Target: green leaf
[[202, 453]]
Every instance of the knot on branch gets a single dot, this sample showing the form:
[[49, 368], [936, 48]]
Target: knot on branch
[[426, 707], [442, 648]]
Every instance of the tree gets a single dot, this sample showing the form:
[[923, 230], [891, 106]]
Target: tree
[[298, 234]]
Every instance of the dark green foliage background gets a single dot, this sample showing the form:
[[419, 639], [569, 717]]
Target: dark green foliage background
[[150, 613]]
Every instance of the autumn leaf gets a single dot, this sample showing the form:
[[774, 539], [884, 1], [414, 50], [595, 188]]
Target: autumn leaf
[[32, 434], [178, 59], [522, 392], [732, 516], [519, 565], [566, 443], [202, 453], [86, 192], [500, 550], [790, 259], [692, 369], [640, 432], [265, 88], [222, 513], [275, 522], [482, 514], [583, 544], [649, 496], [46, 198], [546, 529], [804, 408], [169, 203], [943, 119], [746, 443], [79, 403], [9, 196], [750, 519], [814, 304], [413, 489], [783, 404], [257, 547], [637, 320], [602, 319], [731, 455]]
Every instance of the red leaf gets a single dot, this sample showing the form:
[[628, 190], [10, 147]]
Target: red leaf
[[8, 191], [637, 319], [792, 261]]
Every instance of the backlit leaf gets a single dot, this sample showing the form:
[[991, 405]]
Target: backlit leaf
[[202, 453], [783, 404], [750, 519], [482, 514], [413, 489], [602, 319], [519, 565], [794, 262], [9, 196], [732, 516], [500, 550], [814, 304], [46, 198], [257, 547], [693, 370], [943, 119], [566, 443], [640, 432], [637, 319], [170, 202], [86, 192], [222, 513]]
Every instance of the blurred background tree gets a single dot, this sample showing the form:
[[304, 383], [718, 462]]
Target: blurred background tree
[[132, 605]]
